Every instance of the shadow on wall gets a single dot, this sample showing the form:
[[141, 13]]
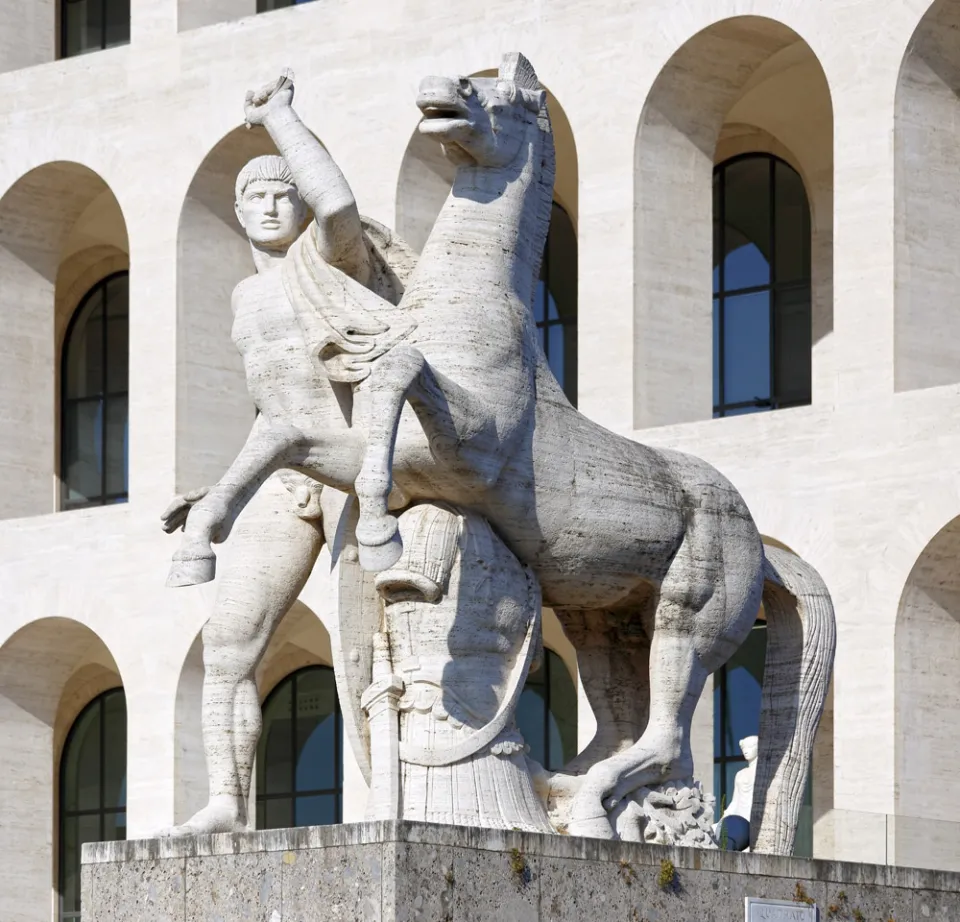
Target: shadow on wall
[[927, 175], [743, 85], [61, 230], [49, 671]]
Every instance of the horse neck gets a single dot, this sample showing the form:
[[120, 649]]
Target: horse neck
[[493, 222]]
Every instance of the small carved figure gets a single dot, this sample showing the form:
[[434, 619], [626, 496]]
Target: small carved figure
[[734, 826]]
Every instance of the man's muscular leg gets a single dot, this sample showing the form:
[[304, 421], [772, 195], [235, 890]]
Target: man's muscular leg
[[273, 552]]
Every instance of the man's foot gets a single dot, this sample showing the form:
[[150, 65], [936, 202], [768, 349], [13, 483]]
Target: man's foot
[[222, 814]]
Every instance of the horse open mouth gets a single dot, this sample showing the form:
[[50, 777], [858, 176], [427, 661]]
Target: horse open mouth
[[441, 119]]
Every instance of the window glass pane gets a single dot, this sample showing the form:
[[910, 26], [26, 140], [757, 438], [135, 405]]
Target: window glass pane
[[82, 26], [275, 771], [531, 713], [793, 345], [746, 232], [717, 717], [744, 678], [562, 700], [117, 22], [115, 751], [539, 300], [117, 445], [730, 770], [316, 731], [118, 335], [80, 777], [278, 813], [791, 225], [114, 827], [556, 350], [562, 266], [70, 864], [319, 810], [717, 397], [82, 422], [84, 365], [717, 236], [746, 347]]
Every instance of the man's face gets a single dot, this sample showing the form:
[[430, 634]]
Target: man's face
[[271, 213]]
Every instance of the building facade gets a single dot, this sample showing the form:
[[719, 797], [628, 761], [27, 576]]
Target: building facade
[[753, 258]]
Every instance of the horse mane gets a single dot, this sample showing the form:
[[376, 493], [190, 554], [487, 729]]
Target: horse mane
[[517, 68]]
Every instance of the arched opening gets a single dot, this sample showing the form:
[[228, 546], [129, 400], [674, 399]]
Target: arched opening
[[50, 670], [927, 174], [746, 85], [425, 180], [927, 708], [214, 411], [93, 789], [61, 232]]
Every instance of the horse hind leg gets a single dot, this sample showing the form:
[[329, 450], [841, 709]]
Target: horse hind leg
[[704, 612]]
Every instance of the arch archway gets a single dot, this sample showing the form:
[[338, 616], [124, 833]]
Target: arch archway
[[927, 707], [926, 177], [61, 230], [49, 671], [746, 84]]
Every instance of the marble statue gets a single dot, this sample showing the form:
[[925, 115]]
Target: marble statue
[[741, 804], [282, 531], [413, 383]]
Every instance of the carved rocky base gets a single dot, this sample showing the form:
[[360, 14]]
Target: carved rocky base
[[678, 813]]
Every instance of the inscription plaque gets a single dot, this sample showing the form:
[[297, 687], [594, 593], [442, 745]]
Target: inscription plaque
[[779, 911]]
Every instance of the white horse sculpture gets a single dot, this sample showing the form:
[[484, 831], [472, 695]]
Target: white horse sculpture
[[650, 558]]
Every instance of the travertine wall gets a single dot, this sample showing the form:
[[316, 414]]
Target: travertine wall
[[654, 93]]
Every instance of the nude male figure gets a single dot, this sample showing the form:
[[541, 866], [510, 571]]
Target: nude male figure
[[276, 542]]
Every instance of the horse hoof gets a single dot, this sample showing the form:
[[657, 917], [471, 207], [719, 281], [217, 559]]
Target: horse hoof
[[192, 571], [594, 827], [374, 558]]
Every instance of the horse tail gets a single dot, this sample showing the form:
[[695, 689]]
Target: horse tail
[[801, 640]]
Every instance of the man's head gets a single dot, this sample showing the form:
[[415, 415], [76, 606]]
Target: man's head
[[268, 205]]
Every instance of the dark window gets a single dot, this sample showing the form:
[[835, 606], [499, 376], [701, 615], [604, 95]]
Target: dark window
[[736, 715], [762, 336], [555, 301], [299, 773], [265, 6], [92, 25], [547, 713], [93, 412], [93, 789]]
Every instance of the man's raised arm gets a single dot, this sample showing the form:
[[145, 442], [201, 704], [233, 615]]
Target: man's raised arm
[[319, 181]]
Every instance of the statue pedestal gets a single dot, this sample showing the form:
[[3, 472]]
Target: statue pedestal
[[391, 871]]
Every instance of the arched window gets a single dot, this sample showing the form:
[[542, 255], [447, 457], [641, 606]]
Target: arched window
[[93, 789], [761, 284], [299, 757], [92, 25], [93, 412], [736, 715], [555, 302], [547, 713]]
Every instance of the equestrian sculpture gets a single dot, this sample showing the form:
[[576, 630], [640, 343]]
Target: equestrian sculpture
[[650, 558]]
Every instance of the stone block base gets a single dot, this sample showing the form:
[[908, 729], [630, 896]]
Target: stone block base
[[411, 872]]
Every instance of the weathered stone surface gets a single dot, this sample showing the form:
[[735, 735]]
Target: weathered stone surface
[[412, 872]]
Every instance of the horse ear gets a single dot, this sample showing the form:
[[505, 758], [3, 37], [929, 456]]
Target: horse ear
[[517, 68]]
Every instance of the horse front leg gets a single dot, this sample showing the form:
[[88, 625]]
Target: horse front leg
[[461, 433], [210, 519]]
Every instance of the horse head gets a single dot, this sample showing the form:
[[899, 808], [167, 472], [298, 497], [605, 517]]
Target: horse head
[[485, 121]]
